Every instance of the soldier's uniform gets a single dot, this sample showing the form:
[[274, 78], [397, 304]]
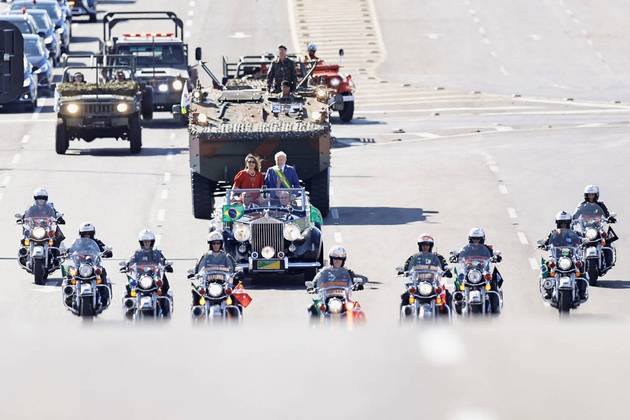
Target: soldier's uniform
[[279, 71]]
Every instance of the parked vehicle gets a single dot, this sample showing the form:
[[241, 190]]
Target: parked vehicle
[[40, 61]]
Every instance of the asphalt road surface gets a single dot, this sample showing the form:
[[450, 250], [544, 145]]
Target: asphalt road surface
[[440, 143]]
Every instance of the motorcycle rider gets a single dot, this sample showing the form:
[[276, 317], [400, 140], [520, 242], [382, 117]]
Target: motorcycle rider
[[336, 271], [477, 236], [215, 256], [147, 252], [563, 233], [425, 248]]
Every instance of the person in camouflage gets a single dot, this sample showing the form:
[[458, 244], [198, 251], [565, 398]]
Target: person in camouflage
[[282, 68]]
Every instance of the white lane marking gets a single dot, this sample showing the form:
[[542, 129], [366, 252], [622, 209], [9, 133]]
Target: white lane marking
[[192, 4], [512, 213], [441, 347], [504, 128], [476, 19], [534, 37], [434, 36], [167, 178], [161, 215], [584, 32], [239, 35], [338, 237], [493, 168], [16, 159], [36, 113], [158, 239], [492, 53], [569, 12], [191, 12], [6, 180], [522, 238], [471, 413], [164, 195], [25, 138], [599, 54], [503, 189], [189, 22], [576, 21], [472, 11], [503, 70], [486, 41], [533, 263], [467, 108], [482, 30], [334, 213], [426, 135]]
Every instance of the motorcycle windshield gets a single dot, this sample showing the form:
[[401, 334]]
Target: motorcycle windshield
[[565, 238], [85, 250], [40, 212], [589, 213], [474, 256], [334, 291], [210, 274], [563, 251]]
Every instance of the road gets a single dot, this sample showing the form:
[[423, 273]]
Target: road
[[441, 143]]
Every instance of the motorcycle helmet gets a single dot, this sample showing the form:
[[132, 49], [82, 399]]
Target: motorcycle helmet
[[477, 233], [591, 189], [563, 220], [311, 47], [425, 239], [337, 252], [146, 235], [78, 75], [40, 195], [87, 230], [215, 237]]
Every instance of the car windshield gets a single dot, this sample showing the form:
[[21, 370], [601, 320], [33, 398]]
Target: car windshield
[[53, 9], [84, 249], [40, 211], [22, 25], [589, 213], [148, 55], [42, 21], [276, 198], [33, 47]]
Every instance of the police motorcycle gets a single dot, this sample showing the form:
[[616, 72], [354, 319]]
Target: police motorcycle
[[561, 275], [473, 280], [37, 254], [333, 298], [427, 295], [217, 299], [83, 288], [590, 223], [145, 280]]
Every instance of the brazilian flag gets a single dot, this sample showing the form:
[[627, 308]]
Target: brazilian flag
[[233, 212], [316, 216]]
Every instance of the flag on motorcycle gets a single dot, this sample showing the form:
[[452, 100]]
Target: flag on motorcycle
[[241, 296], [612, 236], [316, 216], [232, 212], [498, 277], [184, 101]]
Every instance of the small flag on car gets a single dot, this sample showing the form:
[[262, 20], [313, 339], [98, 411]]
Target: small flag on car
[[232, 212]]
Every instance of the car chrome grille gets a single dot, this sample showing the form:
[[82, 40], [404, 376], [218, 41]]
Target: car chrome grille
[[267, 232], [99, 109]]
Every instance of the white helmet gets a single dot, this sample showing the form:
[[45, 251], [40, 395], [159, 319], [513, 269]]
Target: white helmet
[[477, 233], [337, 252], [591, 189], [40, 194], [311, 47], [88, 228], [215, 236], [563, 219], [146, 235]]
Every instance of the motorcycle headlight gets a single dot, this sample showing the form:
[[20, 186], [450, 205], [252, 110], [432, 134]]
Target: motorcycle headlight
[[163, 88], [292, 232], [215, 289], [564, 263], [268, 252], [38, 232], [425, 289], [85, 270], [178, 85], [242, 232], [474, 276], [335, 305], [591, 234], [335, 82], [72, 108], [48, 39], [146, 282], [122, 107]]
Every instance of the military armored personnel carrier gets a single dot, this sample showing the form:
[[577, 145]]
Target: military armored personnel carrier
[[237, 116]]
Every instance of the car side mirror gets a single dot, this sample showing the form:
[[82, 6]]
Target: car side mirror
[[198, 54]]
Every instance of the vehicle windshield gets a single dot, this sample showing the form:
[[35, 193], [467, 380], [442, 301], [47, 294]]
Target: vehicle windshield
[[42, 21], [53, 9], [564, 238], [474, 252], [276, 198], [210, 273], [589, 213], [40, 211], [84, 250], [427, 266], [22, 25], [32, 47], [149, 55], [563, 251]]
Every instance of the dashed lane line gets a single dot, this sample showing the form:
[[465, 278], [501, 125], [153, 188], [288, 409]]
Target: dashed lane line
[[512, 213], [503, 189], [167, 178], [533, 263], [25, 138], [16, 159], [522, 238], [6, 180], [161, 215], [164, 195]]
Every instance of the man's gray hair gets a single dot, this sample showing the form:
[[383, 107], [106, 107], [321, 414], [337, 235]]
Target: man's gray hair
[[280, 153]]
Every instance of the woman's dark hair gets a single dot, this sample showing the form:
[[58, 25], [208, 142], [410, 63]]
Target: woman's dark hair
[[256, 158]]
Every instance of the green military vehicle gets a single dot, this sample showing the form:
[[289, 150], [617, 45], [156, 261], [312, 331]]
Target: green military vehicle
[[97, 106], [237, 116]]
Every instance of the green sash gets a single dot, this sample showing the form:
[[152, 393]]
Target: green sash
[[283, 179]]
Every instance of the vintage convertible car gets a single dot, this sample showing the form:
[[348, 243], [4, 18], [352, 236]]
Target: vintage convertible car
[[273, 230]]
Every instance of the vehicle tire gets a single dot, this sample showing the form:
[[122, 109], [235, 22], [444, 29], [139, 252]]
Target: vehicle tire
[[61, 138], [347, 112], [39, 272], [319, 188], [592, 272], [565, 301], [147, 103], [202, 196], [92, 17], [476, 309], [87, 307], [135, 135]]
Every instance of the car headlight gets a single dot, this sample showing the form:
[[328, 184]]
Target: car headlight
[[564, 263], [335, 305], [85, 270], [202, 118], [292, 232], [163, 87], [38, 232], [122, 107], [197, 94], [268, 252], [48, 39], [474, 276], [215, 289], [72, 108], [146, 282], [321, 94], [178, 85], [335, 82], [242, 232], [591, 234], [27, 82], [425, 289]]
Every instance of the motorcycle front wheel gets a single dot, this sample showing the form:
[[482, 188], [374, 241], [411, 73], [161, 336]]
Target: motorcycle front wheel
[[87, 306], [39, 272], [565, 301], [593, 272]]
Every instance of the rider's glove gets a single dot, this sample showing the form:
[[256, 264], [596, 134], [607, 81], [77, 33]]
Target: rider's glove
[[498, 258], [168, 269], [61, 221], [448, 273], [108, 254], [612, 220]]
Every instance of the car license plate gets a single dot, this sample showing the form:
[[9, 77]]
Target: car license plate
[[269, 265]]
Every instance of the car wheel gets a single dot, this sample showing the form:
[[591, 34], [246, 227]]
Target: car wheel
[[347, 112], [61, 138], [135, 135], [147, 103]]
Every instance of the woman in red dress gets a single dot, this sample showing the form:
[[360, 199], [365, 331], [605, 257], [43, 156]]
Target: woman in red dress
[[250, 177]]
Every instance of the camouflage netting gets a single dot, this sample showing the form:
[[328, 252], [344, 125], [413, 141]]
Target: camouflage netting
[[125, 89], [289, 129]]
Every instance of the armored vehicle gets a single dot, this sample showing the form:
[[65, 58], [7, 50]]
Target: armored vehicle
[[237, 117]]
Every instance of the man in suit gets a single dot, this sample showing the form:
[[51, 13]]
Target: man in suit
[[282, 175]]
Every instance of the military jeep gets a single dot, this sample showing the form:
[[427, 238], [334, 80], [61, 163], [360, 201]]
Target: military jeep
[[97, 107]]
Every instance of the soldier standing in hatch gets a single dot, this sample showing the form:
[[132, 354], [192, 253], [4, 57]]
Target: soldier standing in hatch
[[282, 68]]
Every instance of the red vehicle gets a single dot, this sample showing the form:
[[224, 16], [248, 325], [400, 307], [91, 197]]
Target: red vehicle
[[334, 89]]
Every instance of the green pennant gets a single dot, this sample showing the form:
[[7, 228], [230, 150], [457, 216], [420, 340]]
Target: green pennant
[[232, 212], [316, 216]]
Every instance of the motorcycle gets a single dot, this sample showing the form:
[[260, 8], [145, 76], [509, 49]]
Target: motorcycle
[[218, 298], [333, 299], [146, 298], [474, 274], [590, 223], [561, 277], [85, 292], [427, 296], [37, 254]]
